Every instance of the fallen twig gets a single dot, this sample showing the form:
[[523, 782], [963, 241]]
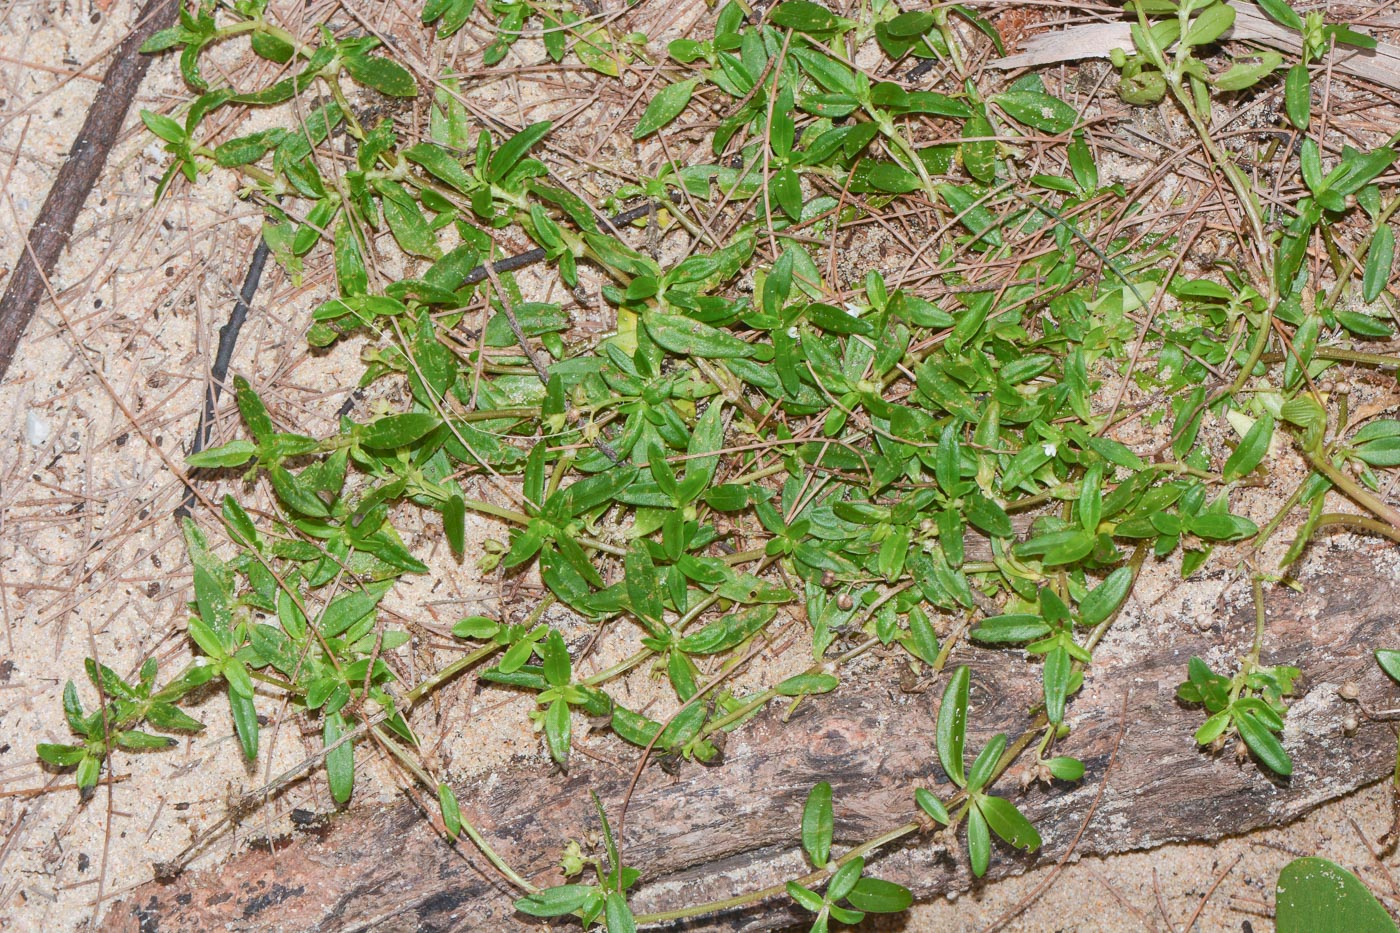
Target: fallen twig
[[51, 230]]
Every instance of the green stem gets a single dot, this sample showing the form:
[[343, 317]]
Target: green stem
[[1358, 523], [471, 831], [1354, 490]]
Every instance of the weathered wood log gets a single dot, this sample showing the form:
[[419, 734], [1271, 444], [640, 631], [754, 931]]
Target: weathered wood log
[[714, 832]]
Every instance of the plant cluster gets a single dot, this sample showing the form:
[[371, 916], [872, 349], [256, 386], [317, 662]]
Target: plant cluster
[[753, 440]]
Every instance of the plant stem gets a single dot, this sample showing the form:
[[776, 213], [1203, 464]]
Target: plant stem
[[1354, 490]]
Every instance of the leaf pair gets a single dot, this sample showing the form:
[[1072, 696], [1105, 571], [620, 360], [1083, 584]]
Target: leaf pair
[[984, 811]]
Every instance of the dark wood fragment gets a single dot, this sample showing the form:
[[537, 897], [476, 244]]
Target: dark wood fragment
[[718, 831], [54, 224]]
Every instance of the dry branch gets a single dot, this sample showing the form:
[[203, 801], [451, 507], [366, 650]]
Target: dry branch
[[718, 831], [70, 190]]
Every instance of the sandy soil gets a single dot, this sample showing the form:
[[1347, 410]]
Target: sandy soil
[[97, 409]]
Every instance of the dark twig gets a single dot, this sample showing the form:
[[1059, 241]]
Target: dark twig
[[88, 155], [228, 339]]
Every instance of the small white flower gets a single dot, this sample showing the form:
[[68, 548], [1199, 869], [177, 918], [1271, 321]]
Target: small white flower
[[794, 333], [1049, 449], [852, 310]]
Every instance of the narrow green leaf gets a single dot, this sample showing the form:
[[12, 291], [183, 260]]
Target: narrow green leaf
[[451, 811], [979, 842], [340, 762], [1251, 449], [818, 824], [384, 75], [514, 149], [1380, 257], [665, 107], [1009, 823], [454, 519], [1282, 13], [952, 726]]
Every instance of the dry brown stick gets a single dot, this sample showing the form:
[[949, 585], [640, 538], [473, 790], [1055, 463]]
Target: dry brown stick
[[88, 155]]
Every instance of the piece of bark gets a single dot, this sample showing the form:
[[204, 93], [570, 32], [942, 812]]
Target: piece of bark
[[715, 832], [88, 154]]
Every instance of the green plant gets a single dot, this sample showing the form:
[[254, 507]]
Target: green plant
[[760, 436], [847, 882], [1319, 896]]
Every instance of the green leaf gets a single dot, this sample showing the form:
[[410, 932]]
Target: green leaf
[[1041, 111], [804, 684], [141, 741], [979, 842], [1297, 95], [340, 762], [1210, 25], [1103, 600], [983, 766], [441, 164], [1380, 257], [348, 608], [665, 107], [164, 127], [1283, 14], [1065, 768], [1242, 75], [514, 149], [245, 723], [952, 726], [931, 805], [232, 454], [1389, 660], [557, 901], [922, 642], [384, 75], [806, 897], [273, 48], [618, 915], [454, 523], [1009, 823], [728, 631], [451, 811], [978, 152], [1010, 629], [804, 16], [887, 177], [89, 768], [171, 718], [60, 756], [587, 494], [1058, 547], [558, 731], [398, 430], [1363, 325], [818, 824], [1056, 679], [1315, 895], [877, 896], [1264, 744], [687, 336], [1251, 449]]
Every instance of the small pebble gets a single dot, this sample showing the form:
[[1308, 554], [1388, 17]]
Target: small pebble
[[36, 429]]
